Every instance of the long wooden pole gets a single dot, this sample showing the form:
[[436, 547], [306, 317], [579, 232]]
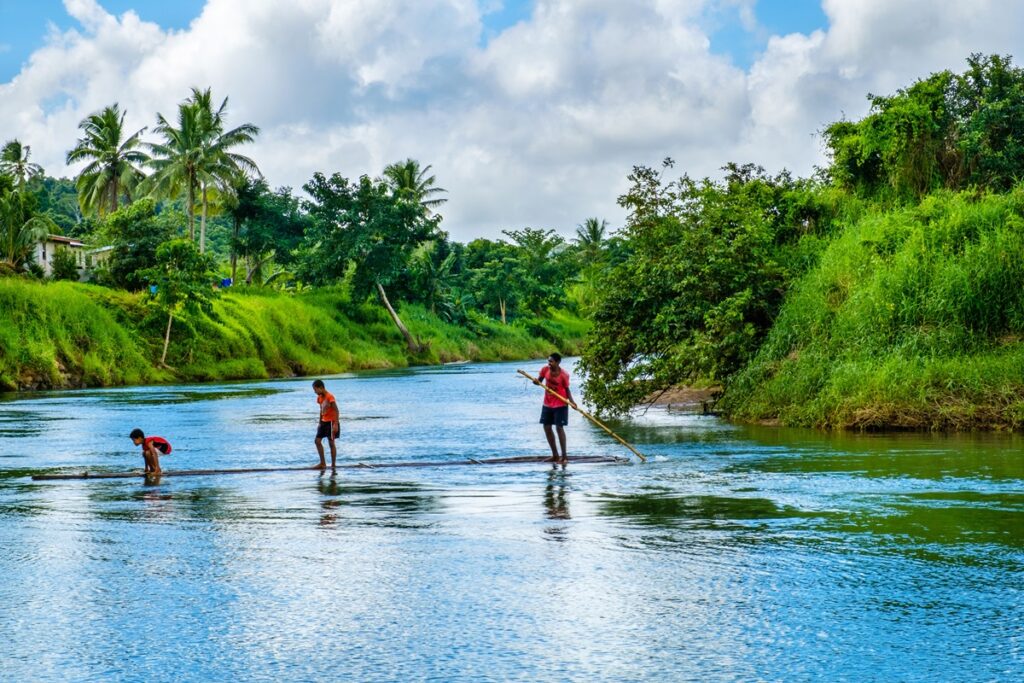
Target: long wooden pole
[[584, 414]]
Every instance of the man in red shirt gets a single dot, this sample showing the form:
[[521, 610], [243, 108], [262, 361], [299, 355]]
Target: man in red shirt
[[555, 411], [328, 425]]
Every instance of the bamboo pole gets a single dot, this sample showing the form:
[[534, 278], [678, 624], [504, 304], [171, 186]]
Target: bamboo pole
[[585, 414]]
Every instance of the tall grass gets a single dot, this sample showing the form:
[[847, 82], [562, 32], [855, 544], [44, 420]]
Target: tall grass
[[69, 334], [912, 319]]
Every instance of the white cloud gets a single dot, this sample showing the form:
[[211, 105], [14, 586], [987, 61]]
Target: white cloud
[[538, 125]]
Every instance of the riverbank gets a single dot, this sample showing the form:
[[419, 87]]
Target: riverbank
[[56, 335], [912, 318]]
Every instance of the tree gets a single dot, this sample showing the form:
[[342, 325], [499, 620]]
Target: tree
[[22, 227], [945, 131], [196, 155], [182, 278], [368, 228], [14, 161], [432, 268], [708, 265], [221, 166], [113, 171], [135, 232], [494, 276], [590, 239], [412, 182], [64, 266], [541, 273], [268, 226]]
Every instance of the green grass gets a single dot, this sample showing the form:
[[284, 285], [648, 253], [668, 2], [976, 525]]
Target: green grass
[[69, 334], [911, 319]]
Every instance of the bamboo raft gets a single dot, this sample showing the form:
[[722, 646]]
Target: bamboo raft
[[347, 466]]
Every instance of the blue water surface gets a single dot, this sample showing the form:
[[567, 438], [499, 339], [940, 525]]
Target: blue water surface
[[736, 553]]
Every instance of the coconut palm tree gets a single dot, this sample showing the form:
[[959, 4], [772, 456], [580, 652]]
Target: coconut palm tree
[[113, 171], [14, 161], [176, 160], [196, 155], [590, 238], [222, 166], [406, 177], [21, 229]]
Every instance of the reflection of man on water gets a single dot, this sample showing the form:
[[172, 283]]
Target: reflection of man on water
[[554, 496], [555, 411]]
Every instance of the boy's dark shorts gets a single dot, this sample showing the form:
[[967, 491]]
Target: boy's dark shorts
[[325, 430], [554, 416]]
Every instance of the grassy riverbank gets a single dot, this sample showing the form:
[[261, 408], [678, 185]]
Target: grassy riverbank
[[912, 318], [61, 334]]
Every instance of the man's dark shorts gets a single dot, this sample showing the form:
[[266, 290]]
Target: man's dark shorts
[[324, 430], [554, 416]]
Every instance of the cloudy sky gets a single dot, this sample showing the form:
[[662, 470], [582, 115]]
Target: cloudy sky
[[531, 112]]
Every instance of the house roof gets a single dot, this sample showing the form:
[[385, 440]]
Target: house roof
[[61, 239]]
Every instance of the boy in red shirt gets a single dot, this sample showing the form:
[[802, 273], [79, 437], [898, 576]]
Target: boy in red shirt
[[555, 412], [152, 448], [328, 426]]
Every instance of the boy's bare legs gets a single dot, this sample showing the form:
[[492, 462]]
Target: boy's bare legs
[[334, 452], [320, 449], [152, 461]]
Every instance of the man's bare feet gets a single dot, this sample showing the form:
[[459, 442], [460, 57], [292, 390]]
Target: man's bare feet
[[320, 466]]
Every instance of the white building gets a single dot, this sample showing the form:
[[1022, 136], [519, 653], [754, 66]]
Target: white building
[[46, 249]]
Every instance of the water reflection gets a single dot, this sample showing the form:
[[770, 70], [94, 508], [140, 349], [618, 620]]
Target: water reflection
[[394, 504], [556, 501], [707, 511]]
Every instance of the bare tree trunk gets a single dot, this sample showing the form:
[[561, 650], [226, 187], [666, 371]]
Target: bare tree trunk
[[414, 346], [202, 224], [501, 305], [234, 249], [167, 339], [191, 211]]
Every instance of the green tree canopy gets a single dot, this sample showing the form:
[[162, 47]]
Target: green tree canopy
[[14, 162], [945, 131], [183, 279], [366, 227], [135, 232], [114, 161], [707, 269]]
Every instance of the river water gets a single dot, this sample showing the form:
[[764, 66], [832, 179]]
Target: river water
[[735, 554]]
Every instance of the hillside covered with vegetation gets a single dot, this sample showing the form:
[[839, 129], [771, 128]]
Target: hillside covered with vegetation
[[886, 291]]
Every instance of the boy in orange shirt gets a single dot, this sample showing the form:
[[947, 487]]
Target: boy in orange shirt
[[328, 426]]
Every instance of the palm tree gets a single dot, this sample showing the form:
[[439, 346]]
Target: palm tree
[[14, 161], [196, 156], [408, 178], [590, 238], [222, 167], [21, 229], [175, 161], [113, 170]]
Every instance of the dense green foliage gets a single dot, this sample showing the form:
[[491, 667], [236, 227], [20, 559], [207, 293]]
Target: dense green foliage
[[947, 131], [181, 280], [708, 267], [886, 292], [912, 318], [135, 232], [69, 334]]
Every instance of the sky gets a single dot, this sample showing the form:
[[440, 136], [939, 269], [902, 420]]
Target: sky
[[531, 113]]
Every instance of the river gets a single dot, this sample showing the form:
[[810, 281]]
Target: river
[[736, 553]]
